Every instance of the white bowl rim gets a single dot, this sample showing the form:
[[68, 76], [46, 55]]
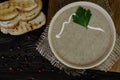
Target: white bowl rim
[[83, 3]]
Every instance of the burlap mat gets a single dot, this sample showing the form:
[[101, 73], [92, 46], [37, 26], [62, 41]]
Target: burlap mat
[[45, 51]]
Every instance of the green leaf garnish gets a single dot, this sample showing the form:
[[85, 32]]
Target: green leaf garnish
[[82, 17]]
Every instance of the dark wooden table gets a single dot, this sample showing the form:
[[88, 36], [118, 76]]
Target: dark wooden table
[[115, 6]]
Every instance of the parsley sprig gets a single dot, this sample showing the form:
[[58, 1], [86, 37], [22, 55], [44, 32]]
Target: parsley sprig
[[82, 17]]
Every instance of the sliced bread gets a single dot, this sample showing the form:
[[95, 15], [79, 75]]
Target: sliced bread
[[25, 27]]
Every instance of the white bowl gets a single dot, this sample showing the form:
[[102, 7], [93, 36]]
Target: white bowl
[[100, 9]]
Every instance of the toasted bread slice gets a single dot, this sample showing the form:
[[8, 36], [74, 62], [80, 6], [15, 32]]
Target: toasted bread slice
[[10, 23], [7, 11], [33, 13], [25, 27], [24, 5]]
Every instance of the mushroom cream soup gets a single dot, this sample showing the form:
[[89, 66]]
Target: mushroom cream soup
[[77, 45]]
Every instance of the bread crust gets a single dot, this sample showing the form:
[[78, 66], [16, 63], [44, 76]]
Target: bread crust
[[24, 5], [10, 23], [7, 12], [25, 16]]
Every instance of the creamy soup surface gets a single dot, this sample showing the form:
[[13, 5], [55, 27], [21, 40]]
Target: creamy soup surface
[[78, 45]]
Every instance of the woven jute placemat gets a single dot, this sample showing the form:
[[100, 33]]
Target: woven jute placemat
[[45, 51]]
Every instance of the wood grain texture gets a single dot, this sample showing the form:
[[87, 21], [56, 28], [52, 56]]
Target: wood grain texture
[[51, 10], [114, 5]]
